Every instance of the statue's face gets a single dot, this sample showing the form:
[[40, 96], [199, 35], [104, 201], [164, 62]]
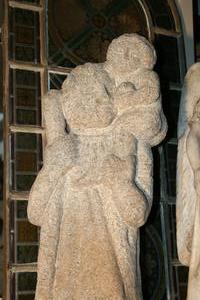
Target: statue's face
[[130, 59], [137, 59]]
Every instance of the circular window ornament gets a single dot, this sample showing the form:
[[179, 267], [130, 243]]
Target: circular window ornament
[[82, 30]]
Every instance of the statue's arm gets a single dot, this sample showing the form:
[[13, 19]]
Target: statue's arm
[[133, 191], [193, 152], [57, 157], [144, 170], [144, 173], [146, 93]]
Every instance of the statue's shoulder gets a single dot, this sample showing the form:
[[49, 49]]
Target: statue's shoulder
[[88, 69], [83, 75]]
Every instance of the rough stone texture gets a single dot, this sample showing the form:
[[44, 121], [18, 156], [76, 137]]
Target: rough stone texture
[[188, 180], [95, 188]]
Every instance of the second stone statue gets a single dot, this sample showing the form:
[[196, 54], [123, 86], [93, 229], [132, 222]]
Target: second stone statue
[[95, 188]]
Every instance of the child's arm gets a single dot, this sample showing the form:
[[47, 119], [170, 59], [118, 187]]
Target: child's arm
[[147, 91]]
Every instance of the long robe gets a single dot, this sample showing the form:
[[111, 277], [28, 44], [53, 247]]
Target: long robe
[[89, 243], [87, 250]]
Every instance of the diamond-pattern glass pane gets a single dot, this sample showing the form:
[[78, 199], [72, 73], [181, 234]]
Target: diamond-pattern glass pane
[[56, 80]]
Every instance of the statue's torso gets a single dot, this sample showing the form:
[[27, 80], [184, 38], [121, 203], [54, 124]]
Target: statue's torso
[[104, 157]]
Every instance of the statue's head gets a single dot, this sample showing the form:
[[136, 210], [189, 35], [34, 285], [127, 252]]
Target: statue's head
[[130, 52]]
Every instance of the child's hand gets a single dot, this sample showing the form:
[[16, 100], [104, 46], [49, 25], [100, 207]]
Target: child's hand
[[123, 94], [125, 87]]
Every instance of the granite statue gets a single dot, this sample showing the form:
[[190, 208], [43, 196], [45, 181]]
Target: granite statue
[[95, 188], [188, 180]]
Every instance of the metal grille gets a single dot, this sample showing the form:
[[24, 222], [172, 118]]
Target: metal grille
[[26, 79], [25, 82]]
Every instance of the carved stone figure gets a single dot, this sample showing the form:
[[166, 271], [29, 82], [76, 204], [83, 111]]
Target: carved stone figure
[[95, 188], [188, 180]]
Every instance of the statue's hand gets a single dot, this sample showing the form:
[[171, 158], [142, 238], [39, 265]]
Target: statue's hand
[[197, 181], [125, 101], [131, 205], [125, 87]]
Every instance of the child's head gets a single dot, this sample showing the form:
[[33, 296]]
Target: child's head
[[130, 52]]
